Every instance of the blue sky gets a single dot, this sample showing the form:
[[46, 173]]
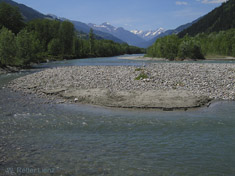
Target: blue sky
[[130, 14]]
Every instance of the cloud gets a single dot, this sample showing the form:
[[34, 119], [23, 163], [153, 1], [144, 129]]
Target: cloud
[[181, 3], [211, 1]]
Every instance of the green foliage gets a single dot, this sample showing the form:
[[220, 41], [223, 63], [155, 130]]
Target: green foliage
[[7, 47], [171, 47], [142, 76], [45, 30], [28, 47], [138, 69], [10, 18], [54, 47], [46, 39], [91, 41], [220, 43], [221, 18], [66, 34], [217, 43], [189, 49], [166, 47]]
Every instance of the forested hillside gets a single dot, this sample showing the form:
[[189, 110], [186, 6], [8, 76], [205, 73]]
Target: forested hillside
[[27, 12], [220, 19], [213, 34], [172, 47], [42, 39]]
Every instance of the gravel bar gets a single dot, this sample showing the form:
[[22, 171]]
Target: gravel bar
[[165, 85]]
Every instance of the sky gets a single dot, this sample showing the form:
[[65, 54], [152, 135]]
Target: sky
[[130, 14]]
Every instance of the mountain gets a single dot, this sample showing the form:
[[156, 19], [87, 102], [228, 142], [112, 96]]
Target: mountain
[[86, 28], [221, 18], [119, 32], [148, 35], [27, 12], [169, 32], [30, 14]]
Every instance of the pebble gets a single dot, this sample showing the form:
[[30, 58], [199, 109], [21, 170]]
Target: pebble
[[216, 81]]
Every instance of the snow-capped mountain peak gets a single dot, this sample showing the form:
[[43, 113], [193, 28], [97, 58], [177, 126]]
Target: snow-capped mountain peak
[[104, 26], [136, 32], [148, 35]]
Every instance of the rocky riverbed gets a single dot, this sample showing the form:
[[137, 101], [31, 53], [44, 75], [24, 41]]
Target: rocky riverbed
[[162, 85]]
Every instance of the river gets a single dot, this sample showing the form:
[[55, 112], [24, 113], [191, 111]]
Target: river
[[38, 137]]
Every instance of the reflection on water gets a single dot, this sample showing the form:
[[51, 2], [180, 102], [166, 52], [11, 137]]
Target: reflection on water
[[89, 140]]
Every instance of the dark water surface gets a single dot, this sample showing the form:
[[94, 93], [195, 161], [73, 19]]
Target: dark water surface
[[64, 139]]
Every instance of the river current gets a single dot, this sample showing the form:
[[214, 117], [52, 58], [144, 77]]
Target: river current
[[41, 138]]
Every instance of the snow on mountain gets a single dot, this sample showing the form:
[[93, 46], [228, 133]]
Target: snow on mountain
[[121, 33], [136, 32], [148, 35]]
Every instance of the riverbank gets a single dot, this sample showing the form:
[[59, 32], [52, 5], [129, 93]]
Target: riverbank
[[144, 58], [210, 57], [9, 69], [163, 85]]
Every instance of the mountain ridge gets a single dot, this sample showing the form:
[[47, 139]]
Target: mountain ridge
[[118, 32], [221, 18], [170, 32], [148, 35], [29, 14], [105, 30]]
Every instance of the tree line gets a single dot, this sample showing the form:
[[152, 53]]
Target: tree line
[[39, 40], [173, 47]]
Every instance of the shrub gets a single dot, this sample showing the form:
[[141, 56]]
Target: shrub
[[189, 49], [7, 47], [141, 76]]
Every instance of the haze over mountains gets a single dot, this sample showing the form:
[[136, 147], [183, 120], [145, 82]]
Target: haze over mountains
[[106, 31]]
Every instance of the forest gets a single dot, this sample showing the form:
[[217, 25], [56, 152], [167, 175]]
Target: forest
[[44, 39], [173, 47], [212, 35]]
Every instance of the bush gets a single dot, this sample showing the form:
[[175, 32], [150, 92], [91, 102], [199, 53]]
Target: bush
[[54, 47], [28, 47], [7, 47], [141, 76], [189, 49], [166, 47]]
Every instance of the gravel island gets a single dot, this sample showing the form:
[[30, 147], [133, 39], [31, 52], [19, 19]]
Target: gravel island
[[164, 85]]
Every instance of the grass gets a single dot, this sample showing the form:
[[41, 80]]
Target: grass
[[139, 69], [142, 76]]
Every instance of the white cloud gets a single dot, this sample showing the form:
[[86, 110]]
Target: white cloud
[[181, 3], [212, 1]]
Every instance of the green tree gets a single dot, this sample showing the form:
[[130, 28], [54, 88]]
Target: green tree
[[190, 49], [28, 47], [54, 47], [166, 47], [45, 30], [171, 47], [67, 33], [7, 47], [10, 18], [91, 41]]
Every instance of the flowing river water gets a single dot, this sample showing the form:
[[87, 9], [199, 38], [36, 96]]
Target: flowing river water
[[41, 138]]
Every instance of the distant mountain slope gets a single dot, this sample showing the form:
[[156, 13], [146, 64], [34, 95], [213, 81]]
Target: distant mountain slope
[[27, 12], [85, 28], [30, 14], [221, 18], [120, 33], [168, 32]]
